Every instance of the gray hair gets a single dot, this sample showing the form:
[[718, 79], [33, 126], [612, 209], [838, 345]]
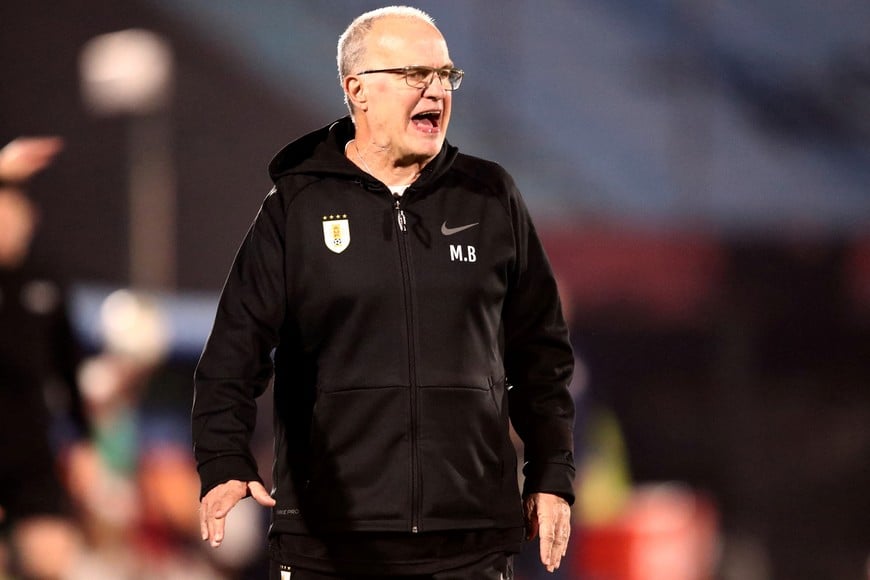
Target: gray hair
[[351, 43]]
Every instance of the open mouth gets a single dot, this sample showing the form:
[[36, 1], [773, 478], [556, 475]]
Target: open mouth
[[427, 121]]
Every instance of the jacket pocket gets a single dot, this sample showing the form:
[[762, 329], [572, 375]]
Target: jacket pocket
[[468, 465], [360, 479]]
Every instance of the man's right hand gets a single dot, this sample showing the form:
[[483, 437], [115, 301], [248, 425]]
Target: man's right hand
[[218, 502]]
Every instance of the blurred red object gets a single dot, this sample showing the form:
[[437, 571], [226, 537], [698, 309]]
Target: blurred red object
[[667, 532], [662, 275]]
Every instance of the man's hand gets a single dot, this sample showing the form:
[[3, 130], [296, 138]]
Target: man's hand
[[218, 502], [549, 516], [25, 156]]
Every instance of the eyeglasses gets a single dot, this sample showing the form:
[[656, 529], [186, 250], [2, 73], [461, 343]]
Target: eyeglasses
[[420, 77]]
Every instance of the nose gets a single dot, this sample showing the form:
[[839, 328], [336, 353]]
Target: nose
[[439, 92]]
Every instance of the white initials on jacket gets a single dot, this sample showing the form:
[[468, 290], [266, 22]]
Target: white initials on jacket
[[458, 255]]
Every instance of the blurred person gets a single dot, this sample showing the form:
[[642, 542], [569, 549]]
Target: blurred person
[[139, 491], [138, 495], [399, 293], [38, 359]]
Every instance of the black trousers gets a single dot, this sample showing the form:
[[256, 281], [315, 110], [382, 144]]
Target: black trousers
[[492, 567]]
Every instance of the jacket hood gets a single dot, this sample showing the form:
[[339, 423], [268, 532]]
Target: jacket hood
[[321, 152]]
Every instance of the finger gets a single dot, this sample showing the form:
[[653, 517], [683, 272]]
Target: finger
[[217, 531], [547, 553], [203, 526], [562, 534], [548, 538], [210, 526], [217, 521], [560, 546], [218, 505], [259, 493]]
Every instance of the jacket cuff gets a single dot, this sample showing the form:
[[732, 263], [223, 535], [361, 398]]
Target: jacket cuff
[[554, 478], [222, 469]]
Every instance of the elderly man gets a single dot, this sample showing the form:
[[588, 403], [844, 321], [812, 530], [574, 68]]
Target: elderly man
[[400, 295]]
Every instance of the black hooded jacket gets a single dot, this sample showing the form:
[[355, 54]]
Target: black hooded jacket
[[403, 336]]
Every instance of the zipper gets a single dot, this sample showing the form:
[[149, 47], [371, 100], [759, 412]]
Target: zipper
[[405, 264], [400, 215]]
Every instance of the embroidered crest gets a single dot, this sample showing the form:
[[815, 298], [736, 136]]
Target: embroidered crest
[[336, 232]]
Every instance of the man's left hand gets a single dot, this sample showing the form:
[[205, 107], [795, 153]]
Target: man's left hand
[[549, 516]]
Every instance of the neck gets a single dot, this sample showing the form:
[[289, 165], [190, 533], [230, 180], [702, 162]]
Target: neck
[[377, 162]]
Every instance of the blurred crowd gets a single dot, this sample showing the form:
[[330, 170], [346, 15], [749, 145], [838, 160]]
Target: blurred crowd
[[92, 485]]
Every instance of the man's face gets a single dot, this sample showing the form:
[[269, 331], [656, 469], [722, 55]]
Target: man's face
[[409, 123]]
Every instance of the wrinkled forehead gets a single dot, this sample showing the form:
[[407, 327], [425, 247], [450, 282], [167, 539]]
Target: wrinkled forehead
[[405, 41]]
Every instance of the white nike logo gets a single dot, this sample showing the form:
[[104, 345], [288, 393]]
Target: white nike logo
[[450, 231]]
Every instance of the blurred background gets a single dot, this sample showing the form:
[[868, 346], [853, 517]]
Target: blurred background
[[699, 171]]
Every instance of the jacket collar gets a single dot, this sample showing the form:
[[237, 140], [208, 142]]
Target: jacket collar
[[321, 152]]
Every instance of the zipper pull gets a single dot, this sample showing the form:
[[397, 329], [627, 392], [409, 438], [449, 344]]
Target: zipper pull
[[400, 216]]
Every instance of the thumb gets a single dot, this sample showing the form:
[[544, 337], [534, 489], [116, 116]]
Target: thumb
[[531, 517], [259, 493]]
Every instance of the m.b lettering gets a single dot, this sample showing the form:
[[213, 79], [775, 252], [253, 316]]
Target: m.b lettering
[[459, 253]]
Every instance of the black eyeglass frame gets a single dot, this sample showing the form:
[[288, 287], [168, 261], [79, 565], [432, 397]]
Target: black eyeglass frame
[[453, 75]]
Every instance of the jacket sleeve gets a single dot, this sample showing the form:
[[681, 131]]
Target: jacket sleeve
[[539, 362], [236, 364]]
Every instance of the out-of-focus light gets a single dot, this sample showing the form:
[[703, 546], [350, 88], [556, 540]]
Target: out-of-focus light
[[135, 326], [129, 71]]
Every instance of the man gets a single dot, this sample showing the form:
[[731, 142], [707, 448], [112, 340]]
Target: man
[[38, 390], [399, 291]]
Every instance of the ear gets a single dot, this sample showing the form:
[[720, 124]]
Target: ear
[[355, 92]]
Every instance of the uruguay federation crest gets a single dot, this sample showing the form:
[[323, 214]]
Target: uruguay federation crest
[[336, 232]]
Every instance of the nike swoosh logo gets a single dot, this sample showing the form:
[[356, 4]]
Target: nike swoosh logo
[[450, 231]]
